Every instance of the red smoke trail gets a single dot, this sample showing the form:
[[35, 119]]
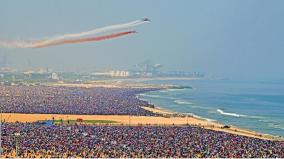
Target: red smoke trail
[[81, 40]]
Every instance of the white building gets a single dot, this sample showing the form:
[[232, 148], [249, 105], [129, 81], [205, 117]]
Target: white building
[[113, 73], [54, 76], [119, 73]]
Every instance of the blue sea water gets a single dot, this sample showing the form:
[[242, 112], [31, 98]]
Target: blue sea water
[[258, 106]]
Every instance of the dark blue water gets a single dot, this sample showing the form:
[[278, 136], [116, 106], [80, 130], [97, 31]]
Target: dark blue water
[[253, 105]]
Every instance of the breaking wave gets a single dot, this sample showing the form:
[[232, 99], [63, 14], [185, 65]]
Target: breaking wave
[[230, 114], [182, 102], [199, 117], [156, 96]]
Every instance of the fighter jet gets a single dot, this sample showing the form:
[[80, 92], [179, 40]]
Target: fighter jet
[[146, 19]]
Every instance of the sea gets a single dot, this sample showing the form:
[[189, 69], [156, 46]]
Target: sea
[[252, 105]]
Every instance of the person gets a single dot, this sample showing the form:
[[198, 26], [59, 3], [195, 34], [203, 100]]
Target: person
[[125, 141]]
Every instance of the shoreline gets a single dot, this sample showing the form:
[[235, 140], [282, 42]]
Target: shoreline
[[142, 79], [117, 84], [215, 125], [167, 112], [126, 120], [166, 117]]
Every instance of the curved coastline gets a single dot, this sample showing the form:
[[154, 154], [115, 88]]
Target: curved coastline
[[206, 123]]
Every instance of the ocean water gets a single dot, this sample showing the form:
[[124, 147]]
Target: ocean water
[[258, 106]]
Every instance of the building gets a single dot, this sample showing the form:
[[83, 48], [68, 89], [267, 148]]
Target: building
[[54, 76]]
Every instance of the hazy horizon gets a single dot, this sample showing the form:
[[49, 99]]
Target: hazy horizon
[[230, 39]]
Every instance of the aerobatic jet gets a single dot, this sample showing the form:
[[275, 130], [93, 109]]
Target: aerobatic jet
[[146, 19]]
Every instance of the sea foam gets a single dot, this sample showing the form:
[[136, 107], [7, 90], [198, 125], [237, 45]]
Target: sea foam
[[182, 102], [230, 114], [157, 96], [199, 117]]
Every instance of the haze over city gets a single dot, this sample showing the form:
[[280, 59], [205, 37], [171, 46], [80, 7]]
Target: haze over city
[[230, 39]]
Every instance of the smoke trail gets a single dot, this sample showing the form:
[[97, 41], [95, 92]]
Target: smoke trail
[[81, 40], [96, 31], [59, 39]]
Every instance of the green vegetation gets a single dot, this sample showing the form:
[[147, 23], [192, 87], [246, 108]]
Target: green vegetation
[[86, 121]]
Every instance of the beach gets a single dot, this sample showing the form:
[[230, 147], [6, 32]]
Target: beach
[[111, 120], [253, 106], [163, 116], [139, 120]]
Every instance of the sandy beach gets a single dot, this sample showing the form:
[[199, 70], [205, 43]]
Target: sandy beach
[[166, 117], [119, 83], [106, 84], [214, 125], [137, 120]]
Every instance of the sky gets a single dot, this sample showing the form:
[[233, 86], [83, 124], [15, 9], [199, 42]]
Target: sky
[[221, 38]]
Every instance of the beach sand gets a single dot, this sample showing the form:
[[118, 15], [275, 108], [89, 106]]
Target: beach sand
[[167, 118], [108, 84], [215, 125], [137, 120]]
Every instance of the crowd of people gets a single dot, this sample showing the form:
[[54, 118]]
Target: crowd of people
[[67, 100], [30, 140], [35, 140]]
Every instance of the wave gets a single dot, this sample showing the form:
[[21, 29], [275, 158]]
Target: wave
[[156, 96], [199, 117], [264, 120], [171, 90], [275, 126], [148, 95], [164, 91], [230, 114], [182, 102], [278, 127], [174, 89]]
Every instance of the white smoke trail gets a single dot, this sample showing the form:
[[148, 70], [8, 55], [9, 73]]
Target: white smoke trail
[[16, 44], [95, 31], [48, 41]]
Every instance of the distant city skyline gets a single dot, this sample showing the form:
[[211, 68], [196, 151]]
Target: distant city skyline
[[146, 66], [232, 39]]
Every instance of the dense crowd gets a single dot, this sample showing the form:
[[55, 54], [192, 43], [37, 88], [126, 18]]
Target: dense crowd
[[66, 100], [131, 141]]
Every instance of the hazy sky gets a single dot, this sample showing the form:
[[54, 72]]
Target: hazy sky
[[224, 38]]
